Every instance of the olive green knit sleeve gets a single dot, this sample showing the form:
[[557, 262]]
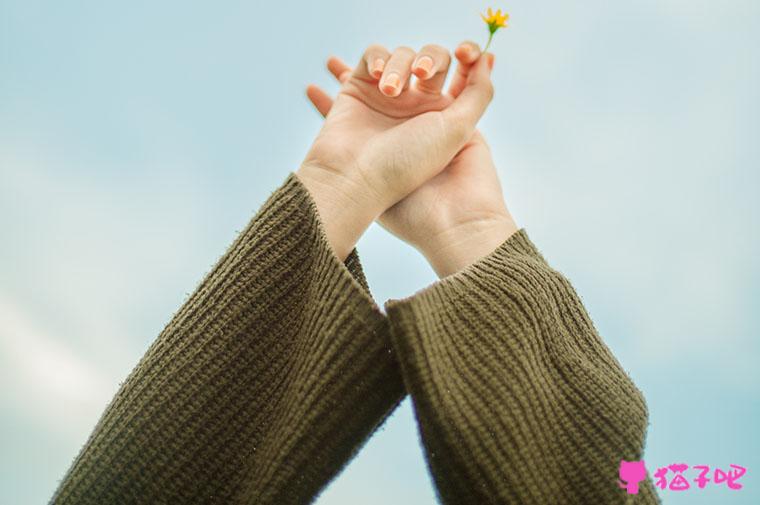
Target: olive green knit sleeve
[[261, 387], [517, 398]]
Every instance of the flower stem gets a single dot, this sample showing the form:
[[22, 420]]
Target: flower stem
[[490, 36]]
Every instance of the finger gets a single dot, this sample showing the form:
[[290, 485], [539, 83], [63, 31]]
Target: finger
[[319, 98], [463, 114], [466, 54], [373, 61], [338, 68], [452, 127], [397, 72], [431, 66]]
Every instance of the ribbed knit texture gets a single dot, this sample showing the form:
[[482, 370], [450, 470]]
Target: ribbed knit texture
[[262, 386], [279, 367], [517, 398]]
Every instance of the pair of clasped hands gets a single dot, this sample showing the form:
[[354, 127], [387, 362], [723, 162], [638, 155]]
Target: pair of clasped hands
[[400, 150]]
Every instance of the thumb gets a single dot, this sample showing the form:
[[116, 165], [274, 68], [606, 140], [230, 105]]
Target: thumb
[[463, 114]]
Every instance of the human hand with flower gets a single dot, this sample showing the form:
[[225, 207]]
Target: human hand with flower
[[459, 214], [385, 136]]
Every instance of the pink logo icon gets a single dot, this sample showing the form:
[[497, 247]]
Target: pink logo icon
[[632, 472]]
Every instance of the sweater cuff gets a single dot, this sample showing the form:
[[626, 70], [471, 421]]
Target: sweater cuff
[[518, 245], [350, 272], [354, 266], [503, 345]]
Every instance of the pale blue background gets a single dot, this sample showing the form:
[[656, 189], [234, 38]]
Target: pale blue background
[[137, 137]]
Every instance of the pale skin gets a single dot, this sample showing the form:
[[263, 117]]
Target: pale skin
[[400, 150]]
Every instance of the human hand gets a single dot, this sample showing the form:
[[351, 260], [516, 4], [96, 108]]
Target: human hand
[[459, 215], [384, 136]]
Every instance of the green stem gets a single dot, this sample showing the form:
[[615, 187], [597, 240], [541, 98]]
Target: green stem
[[490, 36]]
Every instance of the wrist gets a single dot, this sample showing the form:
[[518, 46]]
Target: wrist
[[345, 210], [461, 245]]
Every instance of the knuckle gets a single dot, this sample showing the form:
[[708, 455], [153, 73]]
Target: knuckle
[[375, 49], [405, 50], [438, 52], [427, 88], [465, 130], [488, 90], [434, 49]]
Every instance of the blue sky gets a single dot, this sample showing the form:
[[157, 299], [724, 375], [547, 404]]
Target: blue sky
[[136, 139]]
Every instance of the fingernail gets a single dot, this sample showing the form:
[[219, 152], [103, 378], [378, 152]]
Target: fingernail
[[491, 59], [391, 83], [424, 63], [377, 67]]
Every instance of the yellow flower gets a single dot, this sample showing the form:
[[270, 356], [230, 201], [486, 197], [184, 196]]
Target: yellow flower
[[494, 20]]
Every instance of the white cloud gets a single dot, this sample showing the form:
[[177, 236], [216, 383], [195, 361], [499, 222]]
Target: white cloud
[[45, 380]]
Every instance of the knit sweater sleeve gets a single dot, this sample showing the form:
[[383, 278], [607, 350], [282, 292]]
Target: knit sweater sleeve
[[517, 397], [261, 387]]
